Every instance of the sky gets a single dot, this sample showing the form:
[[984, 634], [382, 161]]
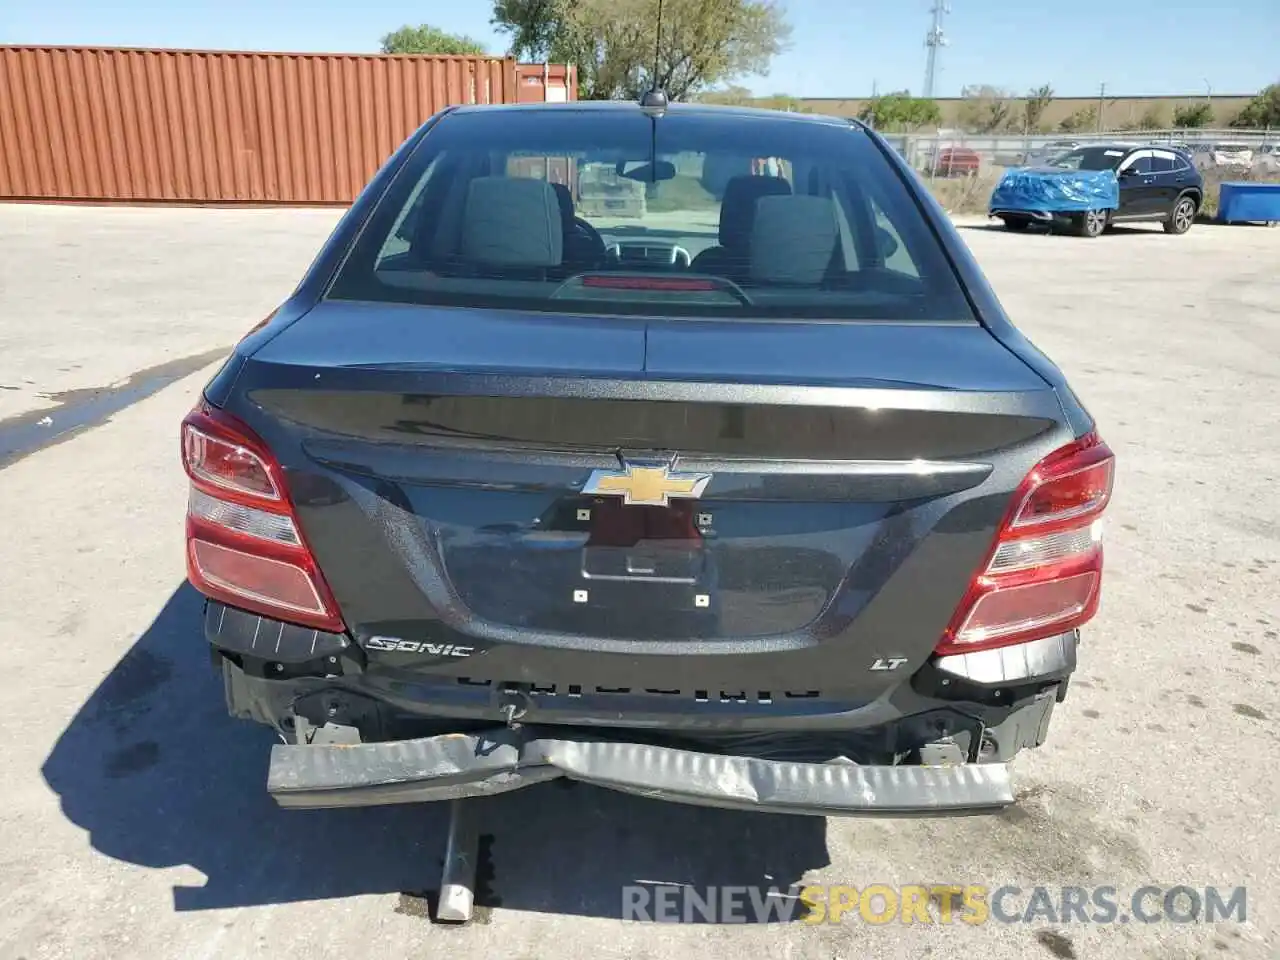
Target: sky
[[840, 48]]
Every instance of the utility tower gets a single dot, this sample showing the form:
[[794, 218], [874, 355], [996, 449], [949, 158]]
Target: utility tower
[[933, 40]]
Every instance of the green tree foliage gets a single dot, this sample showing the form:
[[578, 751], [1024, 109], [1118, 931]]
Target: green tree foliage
[[704, 43], [1081, 120], [1034, 106], [428, 39], [1262, 111], [1193, 116], [900, 111]]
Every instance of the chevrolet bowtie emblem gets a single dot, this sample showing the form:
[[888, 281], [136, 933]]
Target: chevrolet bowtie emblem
[[650, 486]]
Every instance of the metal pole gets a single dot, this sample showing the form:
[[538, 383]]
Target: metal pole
[[458, 882], [933, 40], [1102, 93]]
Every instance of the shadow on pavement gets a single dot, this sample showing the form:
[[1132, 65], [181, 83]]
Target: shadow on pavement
[[159, 776], [1119, 230]]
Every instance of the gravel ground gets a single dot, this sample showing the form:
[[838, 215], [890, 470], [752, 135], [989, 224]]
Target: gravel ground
[[135, 821]]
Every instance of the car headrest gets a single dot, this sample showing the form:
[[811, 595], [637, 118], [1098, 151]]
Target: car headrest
[[793, 239], [737, 208], [512, 222], [565, 199]]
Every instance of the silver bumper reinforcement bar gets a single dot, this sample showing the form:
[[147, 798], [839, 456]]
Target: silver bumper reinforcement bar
[[457, 766]]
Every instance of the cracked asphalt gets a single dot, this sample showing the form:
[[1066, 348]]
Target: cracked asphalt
[[134, 819]]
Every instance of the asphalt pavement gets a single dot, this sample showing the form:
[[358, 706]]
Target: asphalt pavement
[[133, 816]]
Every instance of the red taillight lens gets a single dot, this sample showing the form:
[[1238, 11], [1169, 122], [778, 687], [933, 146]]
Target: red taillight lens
[[1043, 574], [226, 464], [244, 545], [1029, 608], [678, 284], [273, 583], [1068, 486]]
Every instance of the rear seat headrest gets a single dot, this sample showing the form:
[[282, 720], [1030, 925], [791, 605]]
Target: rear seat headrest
[[738, 206], [512, 222], [793, 239]]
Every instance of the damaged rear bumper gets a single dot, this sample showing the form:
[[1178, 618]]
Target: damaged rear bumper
[[455, 766]]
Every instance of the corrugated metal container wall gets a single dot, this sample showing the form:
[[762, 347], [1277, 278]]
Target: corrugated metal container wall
[[82, 123], [546, 83]]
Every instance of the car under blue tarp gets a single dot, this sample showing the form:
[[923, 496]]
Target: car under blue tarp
[[1050, 190]]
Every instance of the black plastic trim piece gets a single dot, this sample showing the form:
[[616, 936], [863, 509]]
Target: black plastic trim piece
[[237, 631]]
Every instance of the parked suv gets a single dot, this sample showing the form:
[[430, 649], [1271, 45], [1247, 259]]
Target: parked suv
[[1156, 184]]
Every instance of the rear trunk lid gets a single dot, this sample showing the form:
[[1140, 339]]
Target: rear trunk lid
[[833, 487]]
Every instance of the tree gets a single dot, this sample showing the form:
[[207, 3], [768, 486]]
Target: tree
[[986, 109], [733, 96], [737, 96], [612, 42], [1080, 120], [428, 39], [1034, 106], [1153, 119], [1262, 111], [900, 111], [782, 101], [1193, 116]]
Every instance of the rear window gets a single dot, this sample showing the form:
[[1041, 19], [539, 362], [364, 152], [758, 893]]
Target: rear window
[[603, 211], [1090, 158]]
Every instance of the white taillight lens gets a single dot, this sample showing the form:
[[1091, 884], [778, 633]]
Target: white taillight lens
[[1044, 572], [250, 521], [1028, 552]]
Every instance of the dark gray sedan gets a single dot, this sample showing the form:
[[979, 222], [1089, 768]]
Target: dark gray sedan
[[565, 461]]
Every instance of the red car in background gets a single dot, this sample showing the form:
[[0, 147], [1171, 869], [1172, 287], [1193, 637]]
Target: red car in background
[[957, 162]]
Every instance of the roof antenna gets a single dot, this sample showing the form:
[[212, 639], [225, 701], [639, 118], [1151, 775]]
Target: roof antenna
[[654, 101]]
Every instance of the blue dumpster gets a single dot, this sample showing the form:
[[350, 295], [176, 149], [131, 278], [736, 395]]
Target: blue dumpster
[[1249, 202]]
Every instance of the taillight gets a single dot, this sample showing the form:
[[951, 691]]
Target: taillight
[[1044, 572], [244, 545]]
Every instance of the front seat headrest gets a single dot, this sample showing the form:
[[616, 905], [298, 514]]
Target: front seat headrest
[[793, 240], [512, 222], [737, 209]]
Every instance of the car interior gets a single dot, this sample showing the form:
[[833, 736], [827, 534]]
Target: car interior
[[767, 243]]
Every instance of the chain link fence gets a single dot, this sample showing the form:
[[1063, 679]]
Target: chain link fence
[[959, 154]]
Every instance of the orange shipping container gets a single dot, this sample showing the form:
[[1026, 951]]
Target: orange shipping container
[[188, 126]]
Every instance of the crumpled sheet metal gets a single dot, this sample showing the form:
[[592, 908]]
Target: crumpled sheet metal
[[474, 765], [1052, 190]]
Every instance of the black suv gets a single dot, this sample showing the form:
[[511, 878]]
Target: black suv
[[1158, 182]]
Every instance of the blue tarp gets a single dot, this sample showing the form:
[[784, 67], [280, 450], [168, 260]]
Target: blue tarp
[[1055, 190]]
